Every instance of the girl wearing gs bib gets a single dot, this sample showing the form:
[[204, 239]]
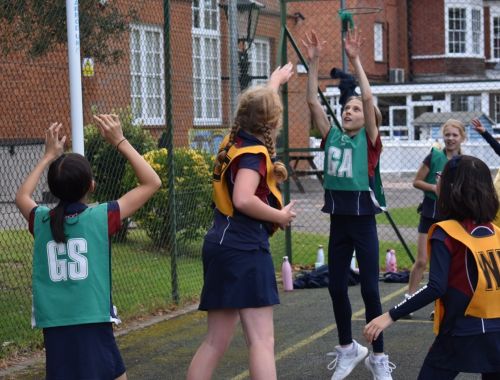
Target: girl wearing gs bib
[[72, 300]]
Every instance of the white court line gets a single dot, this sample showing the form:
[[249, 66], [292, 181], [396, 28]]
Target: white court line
[[321, 333]]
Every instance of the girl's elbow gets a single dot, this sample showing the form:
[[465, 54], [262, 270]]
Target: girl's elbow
[[157, 183], [240, 203]]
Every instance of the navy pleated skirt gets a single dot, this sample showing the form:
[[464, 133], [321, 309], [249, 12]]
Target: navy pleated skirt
[[237, 279]]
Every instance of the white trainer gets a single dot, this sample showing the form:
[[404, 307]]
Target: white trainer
[[345, 360], [380, 366]]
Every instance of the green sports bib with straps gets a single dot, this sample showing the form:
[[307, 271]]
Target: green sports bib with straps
[[438, 161], [346, 165], [346, 161], [72, 280]]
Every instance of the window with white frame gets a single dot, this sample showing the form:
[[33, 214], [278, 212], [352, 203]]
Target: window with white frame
[[147, 89], [495, 98], [465, 103], [259, 58], [464, 28], [378, 42], [495, 36], [206, 63]]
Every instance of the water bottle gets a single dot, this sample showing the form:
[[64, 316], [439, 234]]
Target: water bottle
[[390, 261], [286, 275], [320, 257]]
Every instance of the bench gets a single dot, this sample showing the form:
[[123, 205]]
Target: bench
[[311, 169]]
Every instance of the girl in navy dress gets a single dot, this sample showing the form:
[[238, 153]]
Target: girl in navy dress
[[351, 178], [463, 278], [239, 277]]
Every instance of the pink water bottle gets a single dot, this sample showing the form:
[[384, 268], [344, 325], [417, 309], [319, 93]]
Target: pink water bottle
[[286, 275], [390, 261]]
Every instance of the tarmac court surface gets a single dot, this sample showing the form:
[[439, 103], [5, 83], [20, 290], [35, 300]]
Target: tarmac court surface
[[305, 331]]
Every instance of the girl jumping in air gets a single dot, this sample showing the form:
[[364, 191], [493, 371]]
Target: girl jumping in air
[[350, 170]]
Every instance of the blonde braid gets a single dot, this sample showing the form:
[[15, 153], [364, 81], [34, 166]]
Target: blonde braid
[[219, 159], [279, 169]]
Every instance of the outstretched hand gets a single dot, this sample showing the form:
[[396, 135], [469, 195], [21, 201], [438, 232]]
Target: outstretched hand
[[478, 126], [352, 43], [281, 75], [110, 128], [313, 46], [54, 146], [375, 327]]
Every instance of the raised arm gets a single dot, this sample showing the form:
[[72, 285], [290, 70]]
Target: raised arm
[[479, 127], [352, 47], [280, 76], [149, 182], [313, 51], [54, 147]]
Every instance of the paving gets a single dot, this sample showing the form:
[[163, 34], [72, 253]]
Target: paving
[[305, 331]]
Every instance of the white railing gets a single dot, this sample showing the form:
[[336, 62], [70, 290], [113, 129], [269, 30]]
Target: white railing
[[406, 156]]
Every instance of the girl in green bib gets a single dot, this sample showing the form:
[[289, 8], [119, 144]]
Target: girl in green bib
[[352, 198], [71, 257], [453, 132]]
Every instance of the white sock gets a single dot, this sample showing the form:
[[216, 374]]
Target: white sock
[[347, 348]]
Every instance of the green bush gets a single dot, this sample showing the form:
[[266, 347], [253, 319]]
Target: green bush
[[193, 192], [108, 165]]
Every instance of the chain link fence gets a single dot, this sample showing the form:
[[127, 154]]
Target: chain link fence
[[165, 68]]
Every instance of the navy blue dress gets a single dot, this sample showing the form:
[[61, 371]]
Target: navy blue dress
[[237, 263]]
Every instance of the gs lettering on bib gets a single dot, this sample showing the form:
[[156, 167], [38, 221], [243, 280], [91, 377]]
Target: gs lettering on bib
[[346, 161]]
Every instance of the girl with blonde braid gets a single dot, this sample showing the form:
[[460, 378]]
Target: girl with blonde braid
[[239, 277]]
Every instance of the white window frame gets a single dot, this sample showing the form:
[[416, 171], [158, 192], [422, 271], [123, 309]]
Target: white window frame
[[378, 42], [473, 47], [494, 14], [147, 54], [259, 58], [207, 94]]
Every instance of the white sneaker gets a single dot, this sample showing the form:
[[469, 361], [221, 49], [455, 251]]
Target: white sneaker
[[345, 361], [380, 366]]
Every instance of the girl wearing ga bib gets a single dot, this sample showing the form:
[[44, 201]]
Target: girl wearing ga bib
[[72, 256], [353, 195], [464, 278]]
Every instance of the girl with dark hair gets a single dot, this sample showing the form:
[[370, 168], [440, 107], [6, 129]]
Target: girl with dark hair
[[239, 277], [72, 300], [463, 279]]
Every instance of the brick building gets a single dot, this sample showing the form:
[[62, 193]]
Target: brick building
[[421, 56]]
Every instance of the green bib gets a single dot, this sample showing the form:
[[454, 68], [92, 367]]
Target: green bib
[[72, 280], [346, 165], [346, 161], [438, 161]]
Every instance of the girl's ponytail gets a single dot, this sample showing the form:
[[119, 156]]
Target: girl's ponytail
[[57, 223]]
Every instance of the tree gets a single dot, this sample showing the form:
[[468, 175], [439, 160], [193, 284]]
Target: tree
[[37, 26]]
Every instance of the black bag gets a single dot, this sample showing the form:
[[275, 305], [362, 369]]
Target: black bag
[[318, 278], [399, 277]]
